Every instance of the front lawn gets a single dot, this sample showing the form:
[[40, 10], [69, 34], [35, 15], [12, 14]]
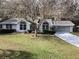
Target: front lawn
[[25, 46]]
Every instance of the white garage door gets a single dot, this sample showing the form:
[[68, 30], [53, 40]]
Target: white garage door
[[63, 29]]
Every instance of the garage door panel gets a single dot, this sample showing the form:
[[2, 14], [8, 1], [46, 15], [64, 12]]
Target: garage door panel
[[62, 29]]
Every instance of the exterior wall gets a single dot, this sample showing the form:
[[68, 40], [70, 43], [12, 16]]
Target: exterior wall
[[3, 26], [40, 28], [71, 29]]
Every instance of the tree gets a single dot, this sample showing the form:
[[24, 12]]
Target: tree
[[34, 8], [44, 8], [58, 8]]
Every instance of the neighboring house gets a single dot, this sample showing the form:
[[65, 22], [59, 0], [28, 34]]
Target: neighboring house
[[59, 26], [17, 24]]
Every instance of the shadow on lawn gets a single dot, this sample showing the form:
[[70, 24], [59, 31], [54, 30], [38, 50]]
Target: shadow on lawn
[[11, 54]]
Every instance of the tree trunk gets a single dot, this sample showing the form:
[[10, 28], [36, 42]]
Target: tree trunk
[[36, 32]]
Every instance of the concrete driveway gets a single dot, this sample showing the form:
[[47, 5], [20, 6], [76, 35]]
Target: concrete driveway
[[68, 37]]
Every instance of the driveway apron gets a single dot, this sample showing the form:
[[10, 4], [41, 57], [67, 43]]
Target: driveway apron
[[69, 38]]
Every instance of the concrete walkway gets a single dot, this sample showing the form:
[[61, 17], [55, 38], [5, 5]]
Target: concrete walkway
[[70, 38]]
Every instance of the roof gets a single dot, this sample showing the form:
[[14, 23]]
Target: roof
[[63, 23], [50, 21], [13, 21], [58, 23]]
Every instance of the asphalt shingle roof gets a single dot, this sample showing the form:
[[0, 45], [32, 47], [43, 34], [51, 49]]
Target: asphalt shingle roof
[[63, 23], [13, 21], [10, 21], [50, 21], [58, 23]]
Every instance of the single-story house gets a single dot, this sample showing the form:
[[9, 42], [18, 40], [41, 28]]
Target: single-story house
[[17, 24], [59, 26], [23, 25]]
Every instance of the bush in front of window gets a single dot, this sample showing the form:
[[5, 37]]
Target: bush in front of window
[[29, 31], [45, 31], [7, 31], [52, 32], [48, 32]]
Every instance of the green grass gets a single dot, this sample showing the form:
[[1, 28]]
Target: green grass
[[25, 46]]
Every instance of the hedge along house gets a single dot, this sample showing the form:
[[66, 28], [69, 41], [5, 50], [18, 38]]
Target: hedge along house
[[57, 26], [17, 24]]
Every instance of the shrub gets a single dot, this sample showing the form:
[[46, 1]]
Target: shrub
[[52, 32], [30, 31], [45, 31], [48, 32]]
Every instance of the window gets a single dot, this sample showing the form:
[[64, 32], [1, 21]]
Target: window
[[0, 26], [22, 25], [8, 26], [45, 26]]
